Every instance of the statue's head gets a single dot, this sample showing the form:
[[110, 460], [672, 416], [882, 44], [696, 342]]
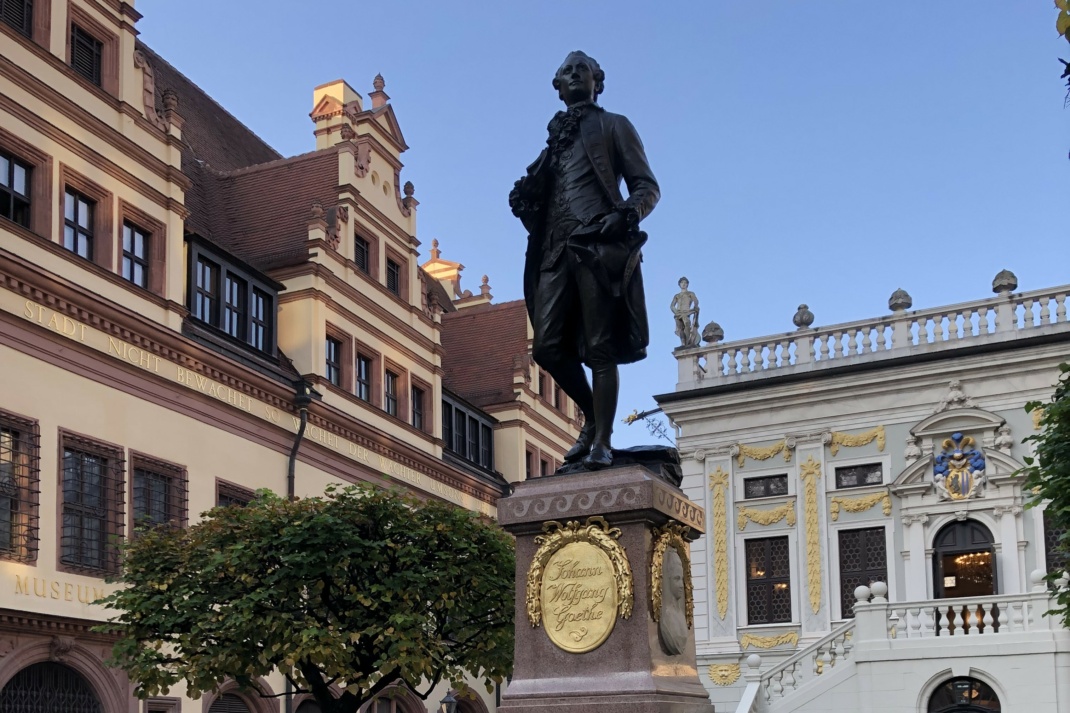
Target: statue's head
[[579, 78], [683, 283]]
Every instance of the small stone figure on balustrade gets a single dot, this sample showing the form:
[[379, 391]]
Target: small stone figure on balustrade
[[684, 307]]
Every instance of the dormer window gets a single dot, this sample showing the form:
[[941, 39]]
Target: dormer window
[[231, 297]]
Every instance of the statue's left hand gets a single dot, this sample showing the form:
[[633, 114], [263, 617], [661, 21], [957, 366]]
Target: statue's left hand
[[612, 225]]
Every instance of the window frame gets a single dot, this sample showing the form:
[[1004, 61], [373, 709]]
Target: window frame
[[463, 437], [393, 256], [366, 268], [768, 580], [391, 384], [879, 465], [345, 365], [103, 213], [27, 22], [178, 488], [238, 493], [401, 394], [83, 40], [156, 247], [418, 406], [27, 485], [234, 315], [210, 294], [113, 493], [40, 182], [131, 257], [109, 49], [79, 203], [13, 196], [835, 540], [766, 480]]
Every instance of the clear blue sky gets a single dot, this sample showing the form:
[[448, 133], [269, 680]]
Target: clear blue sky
[[824, 152]]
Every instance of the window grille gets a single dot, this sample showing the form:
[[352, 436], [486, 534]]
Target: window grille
[[93, 501], [768, 580], [48, 686], [18, 14], [765, 487], [15, 188], [86, 53], [863, 561], [135, 255], [227, 494], [1055, 545], [159, 494], [78, 213], [20, 488]]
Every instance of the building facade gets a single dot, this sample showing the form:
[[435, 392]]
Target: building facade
[[863, 512], [174, 293]]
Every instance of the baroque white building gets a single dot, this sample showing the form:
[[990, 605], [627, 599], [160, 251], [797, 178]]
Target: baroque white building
[[868, 546]]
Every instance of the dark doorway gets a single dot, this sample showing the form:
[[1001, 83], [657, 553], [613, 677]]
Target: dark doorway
[[964, 561], [47, 688], [964, 695]]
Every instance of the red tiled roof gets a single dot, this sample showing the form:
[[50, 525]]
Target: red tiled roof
[[479, 346]]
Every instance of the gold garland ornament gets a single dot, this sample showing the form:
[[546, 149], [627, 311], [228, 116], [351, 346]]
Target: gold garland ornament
[[762, 453], [811, 472], [1037, 414], [672, 535], [719, 484], [767, 642], [858, 439], [860, 504], [766, 517], [597, 532], [724, 674]]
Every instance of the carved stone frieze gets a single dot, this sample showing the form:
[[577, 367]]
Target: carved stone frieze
[[148, 90], [571, 502]]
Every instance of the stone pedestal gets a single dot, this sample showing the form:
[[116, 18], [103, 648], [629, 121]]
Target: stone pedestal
[[630, 672]]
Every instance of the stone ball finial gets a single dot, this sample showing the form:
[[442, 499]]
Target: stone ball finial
[[862, 593], [170, 100], [379, 83], [712, 333], [880, 591], [317, 210], [900, 300], [408, 189], [754, 661], [1004, 281], [1036, 578], [803, 318]]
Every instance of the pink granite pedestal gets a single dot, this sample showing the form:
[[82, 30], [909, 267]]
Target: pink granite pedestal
[[630, 672]]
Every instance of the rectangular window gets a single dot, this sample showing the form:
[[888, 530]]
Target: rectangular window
[[857, 476], [1056, 544], [529, 458], [765, 487], [544, 380], [259, 319], [86, 53], [364, 378], [20, 488], [486, 447], [234, 291], [768, 580], [159, 494], [135, 255], [417, 408], [227, 494], [334, 361], [390, 393], [393, 277], [14, 188], [447, 425], [473, 440], [557, 397], [863, 561], [92, 505], [544, 468], [18, 14], [362, 251], [460, 432], [78, 223], [206, 291]]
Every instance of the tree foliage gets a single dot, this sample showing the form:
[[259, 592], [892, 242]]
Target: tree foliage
[[1048, 472], [358, 590]]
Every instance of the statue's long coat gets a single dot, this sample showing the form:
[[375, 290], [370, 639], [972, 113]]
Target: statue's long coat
[[616, 152]]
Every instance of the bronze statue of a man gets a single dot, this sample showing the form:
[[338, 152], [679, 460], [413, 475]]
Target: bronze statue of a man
[[582, 283]]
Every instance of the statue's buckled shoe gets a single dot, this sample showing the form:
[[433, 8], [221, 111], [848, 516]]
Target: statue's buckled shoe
[[582, 445], [600, 457]]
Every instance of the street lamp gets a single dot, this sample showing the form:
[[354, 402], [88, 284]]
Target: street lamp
[[448, 704]]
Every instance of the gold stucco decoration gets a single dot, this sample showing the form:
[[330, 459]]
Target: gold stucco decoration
[[597, 532], [719, 484], [1037, 415], [762, 452], [766, 517], [860, 504], [810, 473], [767, 642], [672, 535], [724, 674], [857, 439]]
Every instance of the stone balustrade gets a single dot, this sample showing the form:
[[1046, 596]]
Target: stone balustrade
[[1007, 316], [806, 665]]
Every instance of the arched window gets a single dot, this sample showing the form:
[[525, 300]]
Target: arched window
[[229, 703], [964, 561], [308, 707], [48, 687], [964, 695]]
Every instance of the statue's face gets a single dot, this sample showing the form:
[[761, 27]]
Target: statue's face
[[684, 284], [575, 80]]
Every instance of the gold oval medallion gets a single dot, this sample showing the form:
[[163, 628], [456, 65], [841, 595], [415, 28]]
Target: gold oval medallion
[[579, 597]]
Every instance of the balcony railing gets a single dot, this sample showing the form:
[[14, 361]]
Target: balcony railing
[[1006, 317]]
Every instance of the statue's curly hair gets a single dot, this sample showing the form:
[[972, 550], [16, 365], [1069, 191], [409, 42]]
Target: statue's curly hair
[[599, 75]]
